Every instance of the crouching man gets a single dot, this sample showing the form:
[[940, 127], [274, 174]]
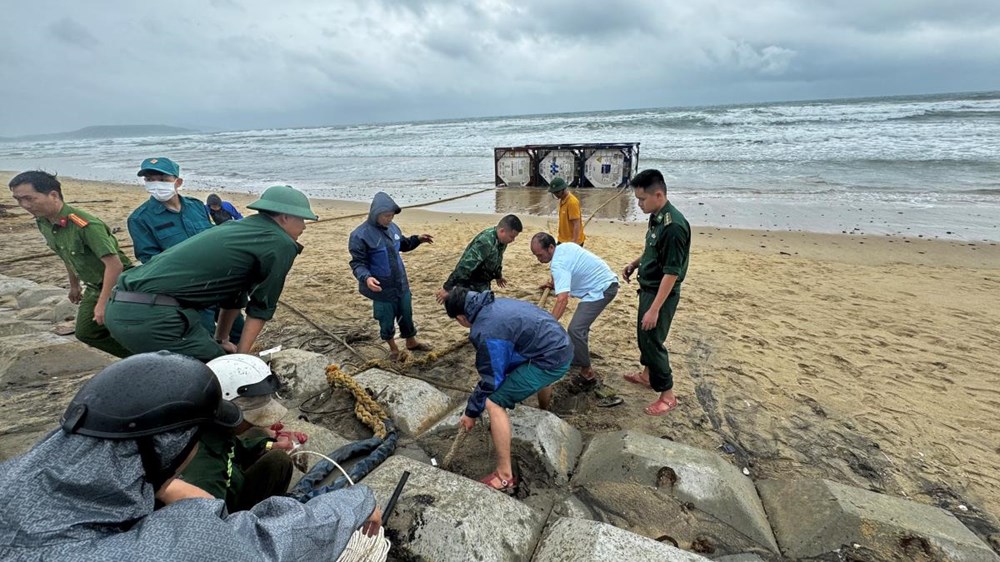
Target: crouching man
[[247, 465], [521, 350], [89, 489]]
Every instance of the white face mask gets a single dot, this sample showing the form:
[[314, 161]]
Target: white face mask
[[160, 190]]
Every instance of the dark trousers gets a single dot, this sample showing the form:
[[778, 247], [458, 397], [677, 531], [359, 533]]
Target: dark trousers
[[388, 313], [579, 326], [92, 333], [267, 477], [652, 353], [146, 327]]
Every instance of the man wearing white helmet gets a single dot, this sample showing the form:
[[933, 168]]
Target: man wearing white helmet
[[247, 465]]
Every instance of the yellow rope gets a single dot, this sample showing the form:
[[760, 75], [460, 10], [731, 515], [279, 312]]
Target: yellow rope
[[366, 409], [455, 446]]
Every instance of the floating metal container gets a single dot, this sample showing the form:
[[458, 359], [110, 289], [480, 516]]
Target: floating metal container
[[605, 165], [513, 166]]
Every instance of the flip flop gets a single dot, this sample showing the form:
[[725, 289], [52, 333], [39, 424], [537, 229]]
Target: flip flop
[[609, 401], [506, 486], [670, 407], [421, 347], [636, 378]]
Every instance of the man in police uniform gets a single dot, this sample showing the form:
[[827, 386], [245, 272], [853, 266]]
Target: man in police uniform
[[157, 306], [87, 248], [661, 269], [168, 218]]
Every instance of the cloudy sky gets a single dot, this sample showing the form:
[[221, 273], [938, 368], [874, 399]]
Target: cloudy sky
[[238, 64]]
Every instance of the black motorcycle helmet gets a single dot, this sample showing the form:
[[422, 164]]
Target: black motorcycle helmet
[[147, 394]]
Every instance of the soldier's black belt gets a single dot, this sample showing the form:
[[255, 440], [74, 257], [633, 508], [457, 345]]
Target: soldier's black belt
[[144, 298]]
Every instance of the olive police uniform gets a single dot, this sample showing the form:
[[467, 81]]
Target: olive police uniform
[[81, 240], [242, 264], [668, 245], [241, 470]]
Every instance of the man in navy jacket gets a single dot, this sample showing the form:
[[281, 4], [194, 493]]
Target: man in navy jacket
[[521, 350], [375, 247]]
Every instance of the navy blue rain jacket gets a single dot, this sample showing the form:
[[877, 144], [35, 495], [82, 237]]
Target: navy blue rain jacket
[[375, 252], [507, 333]]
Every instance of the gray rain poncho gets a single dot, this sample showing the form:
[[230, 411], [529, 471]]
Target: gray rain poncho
[[79, 498]]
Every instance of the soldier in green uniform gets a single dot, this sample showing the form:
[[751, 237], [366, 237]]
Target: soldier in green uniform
[[482, 260], [87, 248], [661, 269], [239, 265]]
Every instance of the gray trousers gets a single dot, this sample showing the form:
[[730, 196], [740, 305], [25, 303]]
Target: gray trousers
[[579, 326]]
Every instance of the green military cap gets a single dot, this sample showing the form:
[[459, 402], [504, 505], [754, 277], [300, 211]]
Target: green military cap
[[164, 166], [557, 185], [284, 199]]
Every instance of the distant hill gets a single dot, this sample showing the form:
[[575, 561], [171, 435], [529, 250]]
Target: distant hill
[[105, 132]]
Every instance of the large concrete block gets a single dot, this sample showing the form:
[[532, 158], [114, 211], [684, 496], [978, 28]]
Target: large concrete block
[[14, 327], [617, 463], [302, 372], [413, 404], [11, 286], [42, 356], [51, 309], [557, 443], [554, 442], [579, 540], [813, 518], [33, 296], [443, 516]]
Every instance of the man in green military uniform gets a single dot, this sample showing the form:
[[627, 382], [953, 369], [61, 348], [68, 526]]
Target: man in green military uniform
[[661, 269], [87, 248], [243, 264], [482, 260]]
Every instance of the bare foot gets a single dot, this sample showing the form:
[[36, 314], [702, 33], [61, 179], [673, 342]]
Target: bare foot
[[638, 378], [660, 407]]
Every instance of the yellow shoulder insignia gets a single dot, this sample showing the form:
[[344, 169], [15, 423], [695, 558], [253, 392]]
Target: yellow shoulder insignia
[[78, 220], [667, 219]]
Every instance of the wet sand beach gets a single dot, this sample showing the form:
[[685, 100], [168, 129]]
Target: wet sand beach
[[868, 360]]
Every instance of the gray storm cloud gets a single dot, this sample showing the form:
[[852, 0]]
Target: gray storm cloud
[[248, 64]]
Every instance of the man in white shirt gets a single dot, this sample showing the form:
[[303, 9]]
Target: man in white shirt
[[578, 273]]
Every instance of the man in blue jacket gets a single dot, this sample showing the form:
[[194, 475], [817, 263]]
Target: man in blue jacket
[[375, 247], [521, 350]]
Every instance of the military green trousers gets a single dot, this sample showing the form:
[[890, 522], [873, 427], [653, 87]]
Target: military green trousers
[[148, 327], [92, 333], [652, 353]]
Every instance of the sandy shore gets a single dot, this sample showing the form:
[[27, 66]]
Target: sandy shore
[[863, 359]]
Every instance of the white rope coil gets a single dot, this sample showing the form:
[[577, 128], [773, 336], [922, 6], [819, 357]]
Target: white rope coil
[[361, 547]]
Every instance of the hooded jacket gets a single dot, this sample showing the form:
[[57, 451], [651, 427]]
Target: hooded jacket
[[375, 252], [507, 333], [79, 498]]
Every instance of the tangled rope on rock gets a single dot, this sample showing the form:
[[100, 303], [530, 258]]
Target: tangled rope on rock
[[367, 410]]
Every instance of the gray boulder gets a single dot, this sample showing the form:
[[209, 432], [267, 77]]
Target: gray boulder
[[302, 372], [443, 516], [34, 296], [813, 518], [42, 356], [11, 286], [579, 540], [413, 404], [701, 500]]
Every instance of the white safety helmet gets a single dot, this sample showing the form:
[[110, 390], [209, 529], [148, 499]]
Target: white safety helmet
[[248, 382], [243, 375]]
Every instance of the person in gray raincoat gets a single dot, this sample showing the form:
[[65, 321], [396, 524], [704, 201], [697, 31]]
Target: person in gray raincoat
[[91, 489]]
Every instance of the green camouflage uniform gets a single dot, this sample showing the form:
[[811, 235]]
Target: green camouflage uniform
[[81, 240], [481, 263], [668, 245]]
